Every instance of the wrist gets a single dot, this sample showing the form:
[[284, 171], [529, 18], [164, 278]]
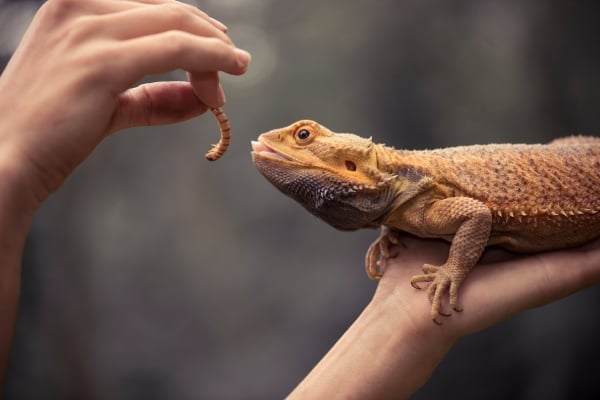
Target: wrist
[[412, 335], [384, 354], [18, 198], [25, 181], [16, 211]]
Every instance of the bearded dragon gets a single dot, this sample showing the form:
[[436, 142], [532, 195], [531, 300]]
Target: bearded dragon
[[524, 198]]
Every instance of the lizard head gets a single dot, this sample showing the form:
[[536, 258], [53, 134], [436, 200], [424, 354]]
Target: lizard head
[[335, 176]]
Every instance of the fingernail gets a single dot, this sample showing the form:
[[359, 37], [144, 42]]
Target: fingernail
[[219, 24], [221, 95], [243, 58]]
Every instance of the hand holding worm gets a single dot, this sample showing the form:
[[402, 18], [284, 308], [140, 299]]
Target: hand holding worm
[[94, 100], [59, 101]]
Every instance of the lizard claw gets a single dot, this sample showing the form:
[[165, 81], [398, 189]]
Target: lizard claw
[[441, 280], [380, 250]]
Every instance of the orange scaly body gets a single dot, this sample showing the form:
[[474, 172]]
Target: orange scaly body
[[525, 198]]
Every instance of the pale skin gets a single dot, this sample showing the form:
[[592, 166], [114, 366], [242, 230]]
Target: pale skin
[[60, 96], [393, 347]]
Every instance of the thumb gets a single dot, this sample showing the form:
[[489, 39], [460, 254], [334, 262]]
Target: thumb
[[207, 87], [156, 103]]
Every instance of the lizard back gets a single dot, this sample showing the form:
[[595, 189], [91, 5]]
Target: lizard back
[[541, 196]]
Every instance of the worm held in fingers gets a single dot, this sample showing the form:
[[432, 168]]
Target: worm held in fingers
[[225, 129]]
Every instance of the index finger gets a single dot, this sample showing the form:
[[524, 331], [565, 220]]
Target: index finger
[[168, 51], [194, 10], [147, 20]]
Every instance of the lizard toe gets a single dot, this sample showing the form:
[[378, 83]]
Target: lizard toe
[[414, 284], [441, 281], [430, 269], [421, 278], [454, 296], [381, 249], [435, 293], [372, 263]]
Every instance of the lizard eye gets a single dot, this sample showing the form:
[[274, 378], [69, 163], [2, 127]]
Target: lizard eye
[[303, 135], [350, 166]]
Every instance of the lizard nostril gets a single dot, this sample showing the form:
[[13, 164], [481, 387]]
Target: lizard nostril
[[350, 166]]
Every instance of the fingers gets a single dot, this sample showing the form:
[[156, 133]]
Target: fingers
[[139, 21], [191, 9], [172, 50], [69, 8], [157, 36], [500, 290], [139, 38], [58, 10], [126, 19], [155, 104], [495, 291], [207, 87]]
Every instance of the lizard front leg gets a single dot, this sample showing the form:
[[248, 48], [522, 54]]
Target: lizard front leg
[[379, 250], [470, 220]]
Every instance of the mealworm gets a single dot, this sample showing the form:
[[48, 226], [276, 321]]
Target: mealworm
[[225, 129]]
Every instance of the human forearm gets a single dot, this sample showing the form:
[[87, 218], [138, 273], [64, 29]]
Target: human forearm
[[384, 354], [16, 210], [393, 347], [111, 46]]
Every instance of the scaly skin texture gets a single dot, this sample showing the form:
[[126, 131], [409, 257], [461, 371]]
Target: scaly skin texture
[[525, 198]]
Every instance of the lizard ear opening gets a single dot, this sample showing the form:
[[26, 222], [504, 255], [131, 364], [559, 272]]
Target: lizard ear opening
[[350, 166]]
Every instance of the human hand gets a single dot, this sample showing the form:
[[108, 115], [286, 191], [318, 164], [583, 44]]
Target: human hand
[[393, 347], [68, 84], [502, 285]]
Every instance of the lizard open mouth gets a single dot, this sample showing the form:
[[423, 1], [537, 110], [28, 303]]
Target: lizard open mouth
[[265, 151]]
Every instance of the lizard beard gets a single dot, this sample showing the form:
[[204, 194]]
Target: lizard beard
[[331, 199]]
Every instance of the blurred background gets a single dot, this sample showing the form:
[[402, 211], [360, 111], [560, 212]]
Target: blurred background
[[155, 274]]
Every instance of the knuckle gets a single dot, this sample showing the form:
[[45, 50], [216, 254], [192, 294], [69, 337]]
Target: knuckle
[[82, 28], [223, 53], [58, 10], [186, 18], [68, 25], [176, 13], [216, 46], [176, 43], [182, 44]]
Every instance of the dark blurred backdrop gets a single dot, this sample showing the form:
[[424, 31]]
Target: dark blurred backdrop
[[153, 274]]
